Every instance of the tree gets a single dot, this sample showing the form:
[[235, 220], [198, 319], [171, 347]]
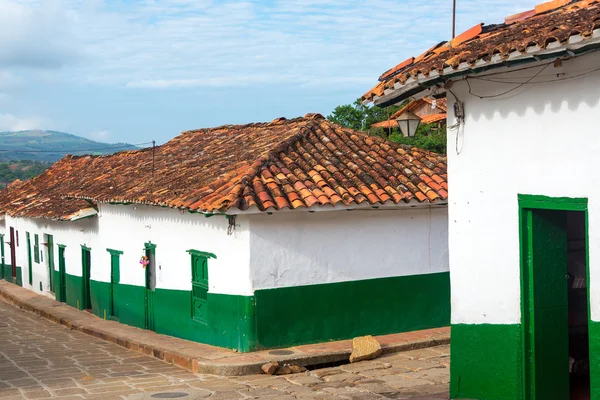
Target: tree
[[360, 117]]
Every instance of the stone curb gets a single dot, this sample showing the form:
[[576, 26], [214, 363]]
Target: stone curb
[[230, 368]]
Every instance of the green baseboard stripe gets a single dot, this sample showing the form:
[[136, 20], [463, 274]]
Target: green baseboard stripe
[[594, 333], [7, 274], [486, 362], [279, 317], [74, 292], [320, 313], [228, 324]]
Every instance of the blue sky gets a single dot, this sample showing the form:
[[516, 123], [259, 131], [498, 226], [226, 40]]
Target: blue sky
[[124, 70]]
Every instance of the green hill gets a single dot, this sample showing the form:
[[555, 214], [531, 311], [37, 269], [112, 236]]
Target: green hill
[[51, 146]]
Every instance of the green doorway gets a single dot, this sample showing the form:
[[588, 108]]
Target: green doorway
[[61, 291], [150, 252], [86, 265], [2, 267], [29, 260], [50, 261], [115, 277], [554, 293]]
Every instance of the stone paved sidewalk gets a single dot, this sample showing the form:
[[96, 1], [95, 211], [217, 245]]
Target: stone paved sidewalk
[[42, 360], [199, 357]]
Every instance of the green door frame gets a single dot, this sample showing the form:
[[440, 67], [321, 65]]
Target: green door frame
[[149, 248], [85, 277], [2, 266], [50, 261], [115, 277], [61, 293], [30, 265], [538, 202]]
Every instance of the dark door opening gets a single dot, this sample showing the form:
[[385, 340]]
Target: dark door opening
[[115, 277], [579, 353], [50, 261], [555, 304], [86, 260], [13, 254], [2, 255], [61, 293], [29, 260], [150, 252]]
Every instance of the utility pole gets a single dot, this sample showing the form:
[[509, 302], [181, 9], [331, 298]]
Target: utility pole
[[453, 19]]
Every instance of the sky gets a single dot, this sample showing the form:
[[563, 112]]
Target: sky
[[137, 71]]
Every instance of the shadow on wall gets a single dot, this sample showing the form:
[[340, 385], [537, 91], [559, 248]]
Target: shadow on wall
[[145, 214], [574, 92]]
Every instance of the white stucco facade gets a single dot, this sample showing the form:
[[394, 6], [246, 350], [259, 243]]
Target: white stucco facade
[[294, 249], [128, 227], [540, 139], [72, 235], [262, 251]]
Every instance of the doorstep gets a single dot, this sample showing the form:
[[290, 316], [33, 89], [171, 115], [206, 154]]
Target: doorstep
[[200, 357]]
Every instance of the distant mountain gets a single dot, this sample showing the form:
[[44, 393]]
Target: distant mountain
[[51, 146]]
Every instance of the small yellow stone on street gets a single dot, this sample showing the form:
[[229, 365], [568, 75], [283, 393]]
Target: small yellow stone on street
[[365, 348]]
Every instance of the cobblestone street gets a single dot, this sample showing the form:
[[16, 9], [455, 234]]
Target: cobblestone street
[[39, 359]]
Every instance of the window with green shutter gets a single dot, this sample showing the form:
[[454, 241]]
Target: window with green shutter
[[36, 248], [200, 284]]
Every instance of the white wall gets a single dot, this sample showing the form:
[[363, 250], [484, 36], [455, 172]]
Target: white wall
[[541, 139], [264, 251], [128, 227], [301, 248], [70, 234]]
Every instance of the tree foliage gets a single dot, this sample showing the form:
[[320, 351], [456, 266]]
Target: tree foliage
[[23, 170], [360, 117]]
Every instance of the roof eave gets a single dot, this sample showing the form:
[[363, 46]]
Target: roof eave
[[576, 46]]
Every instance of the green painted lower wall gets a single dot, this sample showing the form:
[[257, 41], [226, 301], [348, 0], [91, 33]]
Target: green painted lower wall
[[319, 313], [74, 292], [486, 362], [228, 314], [279, 317], [7, 274]]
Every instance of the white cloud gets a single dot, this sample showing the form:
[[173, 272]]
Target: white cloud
[[10, 122], [163, 44], [37, 34]]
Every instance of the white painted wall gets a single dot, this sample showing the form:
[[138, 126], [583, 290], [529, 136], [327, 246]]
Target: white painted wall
[[264, 251], [541, 139], [293, 249], [128, 227], [70, 234]]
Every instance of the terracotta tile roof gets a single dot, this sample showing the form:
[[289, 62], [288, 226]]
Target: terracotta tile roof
[[284, 164], [554, 23], [440, 104], [428, 119], [433, 118], [40, 198], [298, 163]]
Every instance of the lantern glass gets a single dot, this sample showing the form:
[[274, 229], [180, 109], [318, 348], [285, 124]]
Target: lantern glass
[[408, 123]]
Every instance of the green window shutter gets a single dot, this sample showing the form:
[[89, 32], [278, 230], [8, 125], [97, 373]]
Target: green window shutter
[[115, 265], [200, 288], [36, 249]]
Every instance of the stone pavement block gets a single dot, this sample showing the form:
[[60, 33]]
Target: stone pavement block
[[347, 377], [68, 392], [304, 380], [361, 366], [37, 394]]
